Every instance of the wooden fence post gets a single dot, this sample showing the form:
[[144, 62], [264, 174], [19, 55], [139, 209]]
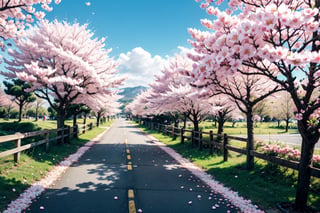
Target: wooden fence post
[[200, 140], [84, 129], [75, 131], [68, 134], [211, 141], [225, 150], [47, 140], [192, 138], [62, 135], [17, 144], [182, 135], [90, 126], [173, 133]]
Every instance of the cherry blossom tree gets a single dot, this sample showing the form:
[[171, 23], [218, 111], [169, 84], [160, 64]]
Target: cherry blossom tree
[[246, 91], [190, 102], [172, 93], [75, 110], [16, 15], [139, 107], [38, 105], [279, 40], [223, 108], [105, 105], [282, 108], [169, 76], [64, 63]]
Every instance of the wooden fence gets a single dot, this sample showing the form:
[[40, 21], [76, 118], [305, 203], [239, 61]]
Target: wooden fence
[[64, 134], [221, 142]]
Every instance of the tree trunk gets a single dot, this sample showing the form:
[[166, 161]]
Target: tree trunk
[[20, 112], [98, 119], [85, 118], [75, 119], [176, 125], [37, 112], [184, 122], [278, 123], [221, 121], [196, 130], [215, 121], [309, 140], [220, 125], [61, 114], [287, 125], [250, 142]]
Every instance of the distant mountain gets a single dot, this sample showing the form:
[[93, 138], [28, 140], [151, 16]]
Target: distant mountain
[[129, 93]]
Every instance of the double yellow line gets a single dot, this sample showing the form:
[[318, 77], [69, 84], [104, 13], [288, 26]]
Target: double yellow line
[[132, 205], [128, 155]]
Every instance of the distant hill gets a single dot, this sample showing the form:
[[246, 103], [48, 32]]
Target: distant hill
[[129, 93]]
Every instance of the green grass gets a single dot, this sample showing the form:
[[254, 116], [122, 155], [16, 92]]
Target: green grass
[[47, 124], [260, 185], [15, 178], [240, 128]]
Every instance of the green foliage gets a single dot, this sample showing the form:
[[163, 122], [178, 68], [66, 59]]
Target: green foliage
[[13, 127], [17, 90]]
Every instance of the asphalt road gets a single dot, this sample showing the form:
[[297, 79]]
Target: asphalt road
[[127, 172]]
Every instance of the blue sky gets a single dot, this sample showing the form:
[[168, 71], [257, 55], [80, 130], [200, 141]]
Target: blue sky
[[157, 26], [142, 33]]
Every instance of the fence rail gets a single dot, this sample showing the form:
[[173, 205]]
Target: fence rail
[[63, 134], [221, 142]]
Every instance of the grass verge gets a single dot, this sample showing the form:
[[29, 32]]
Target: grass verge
[[15, 178], [266, 185]]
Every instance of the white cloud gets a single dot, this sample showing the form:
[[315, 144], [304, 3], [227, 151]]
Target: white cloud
[[139, 66]]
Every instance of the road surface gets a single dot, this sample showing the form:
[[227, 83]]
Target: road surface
[[127, 172]]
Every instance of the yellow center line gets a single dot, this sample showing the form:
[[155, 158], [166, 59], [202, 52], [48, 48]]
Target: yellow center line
[[129, 167], [129, 157], [130, 194], [128, 151], [132, 205]]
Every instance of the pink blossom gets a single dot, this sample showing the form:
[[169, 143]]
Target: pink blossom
[[204, 5], [247, 51]]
